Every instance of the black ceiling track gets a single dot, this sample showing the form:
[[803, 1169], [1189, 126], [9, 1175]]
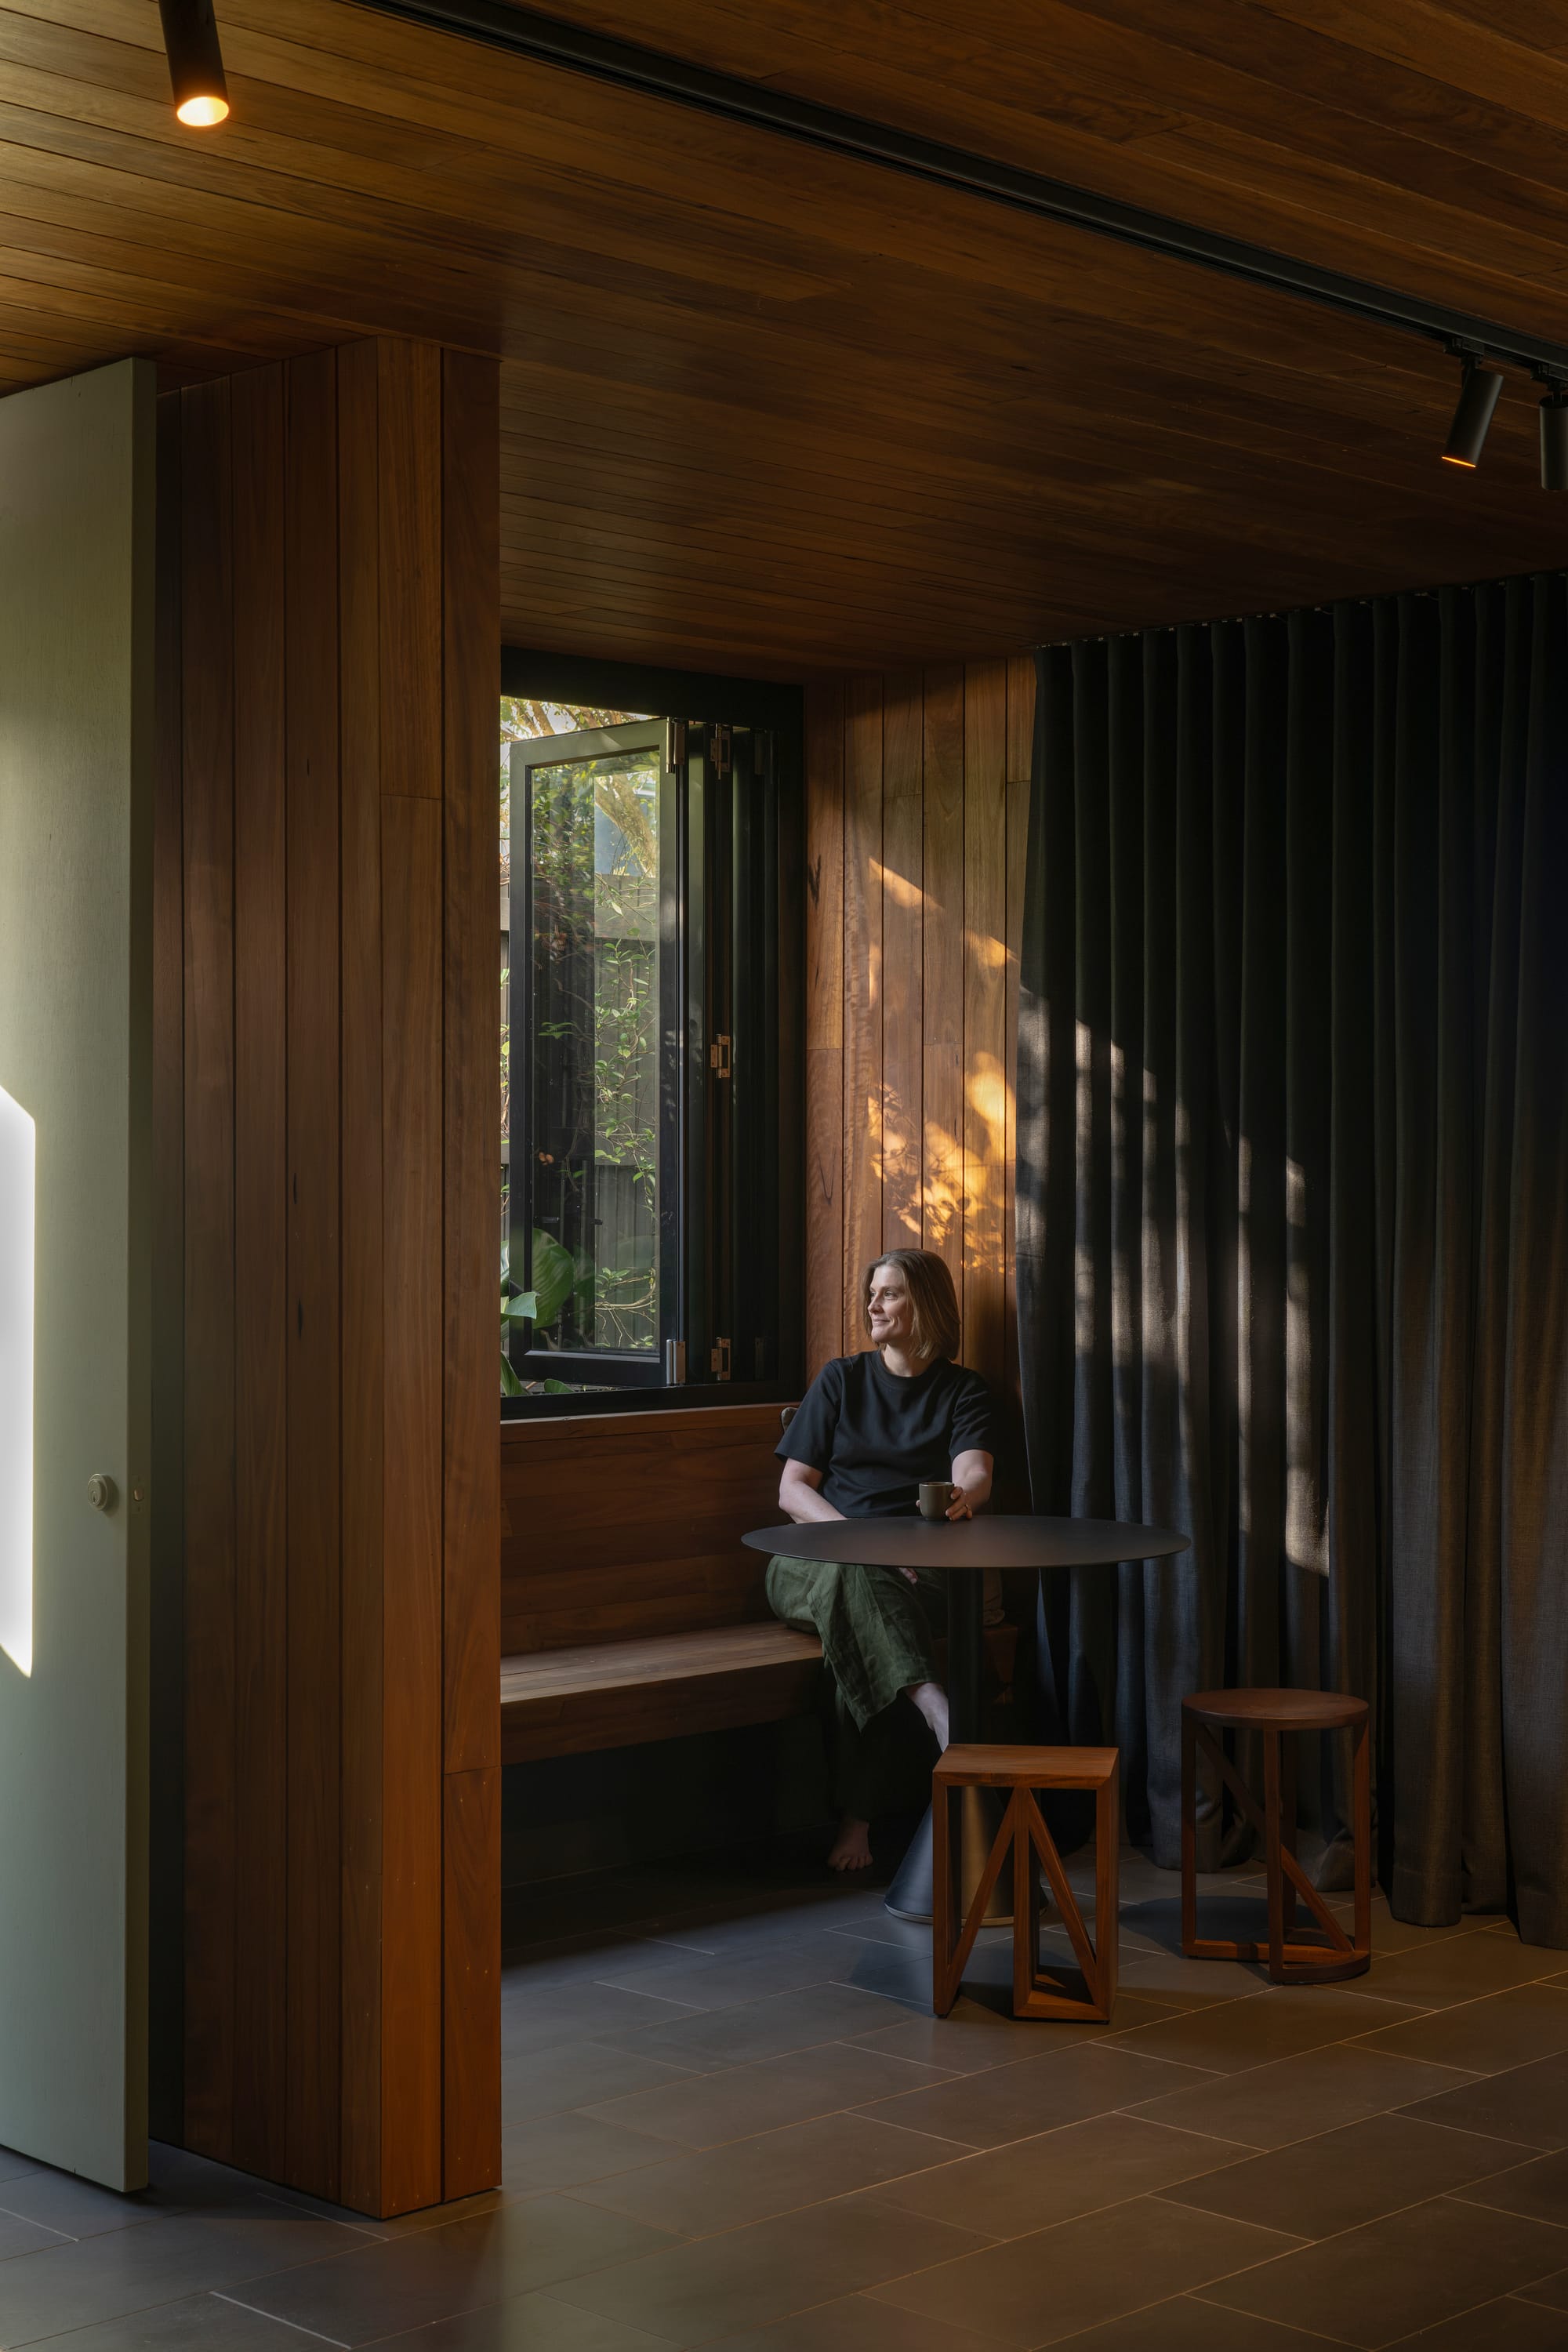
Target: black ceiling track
[[546, 41]]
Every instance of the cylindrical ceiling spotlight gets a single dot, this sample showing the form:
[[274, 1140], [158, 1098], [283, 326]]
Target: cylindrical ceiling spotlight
[[1478, 398], [195, 61], [1554, 441]]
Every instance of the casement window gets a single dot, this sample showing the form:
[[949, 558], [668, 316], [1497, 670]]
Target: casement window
[[651, 948]]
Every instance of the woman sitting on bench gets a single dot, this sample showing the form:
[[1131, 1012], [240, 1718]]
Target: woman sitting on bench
[[872, 1429]]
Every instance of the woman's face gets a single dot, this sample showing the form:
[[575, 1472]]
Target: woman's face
[[890, 1308]]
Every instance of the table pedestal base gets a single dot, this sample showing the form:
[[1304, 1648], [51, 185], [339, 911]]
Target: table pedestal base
[[912, 1896], [912, 1893]]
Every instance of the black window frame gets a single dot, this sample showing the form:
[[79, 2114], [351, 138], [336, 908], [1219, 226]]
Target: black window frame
[[731, 918]]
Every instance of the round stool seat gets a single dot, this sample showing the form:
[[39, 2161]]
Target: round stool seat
[[1273, 1716], [1277, 1710]]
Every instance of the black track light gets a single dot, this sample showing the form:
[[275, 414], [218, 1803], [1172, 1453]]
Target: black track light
[[1555, 439], [1478, 398], [195, 61]]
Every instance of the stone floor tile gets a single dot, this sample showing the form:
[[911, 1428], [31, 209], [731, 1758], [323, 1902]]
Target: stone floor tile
[[86, 2281], [903, 1976], [912, 1935], [1034, 2095], [1187, 1984], [20, 2237], [976, 2036], [1372, 2285], [1187, 2324], [559, 2151], [1484, 2035], [704, 2110], [745, 2279], [1550, 2292], [1528, 2104], [1457, 1968], [699, 1981], [749, 2180], [197, 2323], [1537, 2188], [528, 2323], [1270, 2025], [404, 2282], [854, 2323], [973, 2035], [726, 1936], [588, 1959], [1234, 1915], [770, 2027], [582, 2011], [1030, 2184], [73, 2208], [1035, 2289], [1391, 1935], [1513, 2324], [578, 2074], [1346, 2177], [1317, 2091]]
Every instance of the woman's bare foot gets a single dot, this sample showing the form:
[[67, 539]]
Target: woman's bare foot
[[931, 1700], [852, 1846]]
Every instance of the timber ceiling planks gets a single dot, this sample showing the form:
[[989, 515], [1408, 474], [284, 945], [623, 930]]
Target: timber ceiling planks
[[768, 409]]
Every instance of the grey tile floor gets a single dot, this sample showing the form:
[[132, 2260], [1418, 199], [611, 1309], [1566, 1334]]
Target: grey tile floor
[[732, 2120]]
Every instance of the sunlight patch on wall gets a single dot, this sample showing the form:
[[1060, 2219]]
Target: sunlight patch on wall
[[18, 1163]]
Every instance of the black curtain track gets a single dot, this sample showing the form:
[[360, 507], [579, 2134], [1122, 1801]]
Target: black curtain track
[[1292, 1206]]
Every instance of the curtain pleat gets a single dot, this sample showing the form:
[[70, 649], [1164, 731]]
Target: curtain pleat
[[1292, 1250]]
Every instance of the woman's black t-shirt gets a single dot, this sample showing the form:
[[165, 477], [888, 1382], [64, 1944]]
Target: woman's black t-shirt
[[877, 1437]]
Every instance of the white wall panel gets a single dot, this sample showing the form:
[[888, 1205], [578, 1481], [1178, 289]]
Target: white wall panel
[[76, 710]]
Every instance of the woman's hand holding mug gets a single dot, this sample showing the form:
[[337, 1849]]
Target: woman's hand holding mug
[[939, 1498]]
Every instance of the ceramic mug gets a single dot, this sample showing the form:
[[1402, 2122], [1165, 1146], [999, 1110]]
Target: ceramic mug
[[934, 1498]]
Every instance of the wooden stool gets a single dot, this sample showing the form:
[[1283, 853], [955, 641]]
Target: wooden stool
[[1021, 1772], [1276, 1714]]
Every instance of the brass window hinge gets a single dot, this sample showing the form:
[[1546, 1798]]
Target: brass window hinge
[[718, 1361], [719, 1057]]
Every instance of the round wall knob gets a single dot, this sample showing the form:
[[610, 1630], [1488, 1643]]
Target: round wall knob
[[101, 1492]]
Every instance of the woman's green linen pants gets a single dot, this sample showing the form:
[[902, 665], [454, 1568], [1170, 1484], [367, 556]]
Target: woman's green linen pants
[[876, 1631]]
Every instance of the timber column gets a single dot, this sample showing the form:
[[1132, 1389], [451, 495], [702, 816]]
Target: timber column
[[327, 1775]]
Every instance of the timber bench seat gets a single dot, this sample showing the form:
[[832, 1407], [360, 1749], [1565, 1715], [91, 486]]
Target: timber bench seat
[[611, 1694]]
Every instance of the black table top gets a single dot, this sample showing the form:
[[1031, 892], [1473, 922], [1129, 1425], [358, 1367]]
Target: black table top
[[995, 1539]]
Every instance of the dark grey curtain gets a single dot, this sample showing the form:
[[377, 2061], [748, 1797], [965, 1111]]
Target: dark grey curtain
[[1292, 1205]]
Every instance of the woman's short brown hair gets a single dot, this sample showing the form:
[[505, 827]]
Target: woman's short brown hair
[[932, 1298]]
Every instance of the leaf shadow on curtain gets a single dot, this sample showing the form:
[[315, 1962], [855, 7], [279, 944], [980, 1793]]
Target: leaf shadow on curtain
[[1292, 1231]]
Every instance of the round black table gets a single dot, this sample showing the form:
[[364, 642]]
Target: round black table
[[965, 1549]]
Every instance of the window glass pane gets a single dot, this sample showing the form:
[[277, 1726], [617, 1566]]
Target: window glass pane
[[593, 827]]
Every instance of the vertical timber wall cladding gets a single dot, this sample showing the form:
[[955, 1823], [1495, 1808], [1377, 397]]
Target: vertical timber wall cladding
[[327, 1055], [917, 821]]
